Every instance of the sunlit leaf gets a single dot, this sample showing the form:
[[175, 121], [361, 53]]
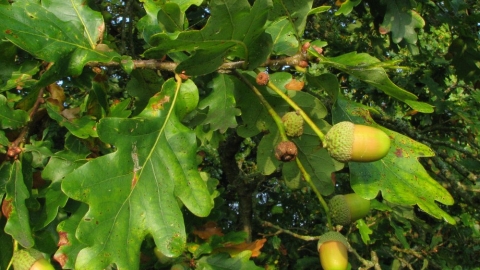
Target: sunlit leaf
[[399, 176], [133, 192]]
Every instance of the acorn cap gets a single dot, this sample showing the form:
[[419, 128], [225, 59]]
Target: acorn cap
[[27, 259], [332, 236], [339, 141], [345, 209], [347, 141], [293, 123]]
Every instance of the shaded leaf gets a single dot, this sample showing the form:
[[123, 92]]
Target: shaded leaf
[[133, 192], [222, 261], [69, 245], [82, 127], [370, 70], [284, 41], [347, 6], [225, 33], [295, 11], [401, 20], [10, 118], [221, 103], [18, 224]]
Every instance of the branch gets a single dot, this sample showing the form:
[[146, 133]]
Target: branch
[[281, 230], [228, 66]]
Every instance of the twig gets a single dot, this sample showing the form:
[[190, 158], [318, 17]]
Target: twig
[[171, 66], [281, 230]]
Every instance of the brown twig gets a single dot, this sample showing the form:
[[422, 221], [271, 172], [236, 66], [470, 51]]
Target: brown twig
[[171, 66]]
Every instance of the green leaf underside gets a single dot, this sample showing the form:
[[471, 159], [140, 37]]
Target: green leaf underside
[[399, 176], [40, 32], [133, 191], [369, 69], [234, 28]]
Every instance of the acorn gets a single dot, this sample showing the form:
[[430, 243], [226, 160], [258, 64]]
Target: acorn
[[30, 259], [332, 249], [348, 208], [286, 151], [293, 123], [347, 141]]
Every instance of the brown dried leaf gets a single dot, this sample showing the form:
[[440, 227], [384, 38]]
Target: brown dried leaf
[[295, 85], [234, 249], [206, 231]]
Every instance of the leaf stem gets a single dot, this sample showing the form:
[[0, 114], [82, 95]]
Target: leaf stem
[[279, 123], [271, 111], [298, 110], [308, 179]]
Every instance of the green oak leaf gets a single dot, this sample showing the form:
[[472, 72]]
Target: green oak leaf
[[136, 191], [39, 31], [221, 103], [81, 15], [401, 20], [10, 118], [399, 176], [59, 165], [171, 17], [220, 261], [71, 246], [82, 127], [12, 74], [225, 34], [18, 224], [347, 7], [5, 244], [364, 231], [143, 84], [370, 70], [295, 11], [283, 42]]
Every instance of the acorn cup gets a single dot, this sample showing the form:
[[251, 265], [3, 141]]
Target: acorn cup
[[345, 209], [332, 249], [347, 141], [30, 259]]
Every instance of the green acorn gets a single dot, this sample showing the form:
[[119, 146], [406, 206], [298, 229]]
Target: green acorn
[[30, 259], [347, 141], [348, 208], [332, 249], [293, 123]]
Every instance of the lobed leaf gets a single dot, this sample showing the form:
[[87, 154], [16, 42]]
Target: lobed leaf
[[401, 20], [10, 118], [136, 191], [399, 176], [18, 224], [40, 32], [225, 33]]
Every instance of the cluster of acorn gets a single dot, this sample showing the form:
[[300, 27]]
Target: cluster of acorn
[[344, 142]]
